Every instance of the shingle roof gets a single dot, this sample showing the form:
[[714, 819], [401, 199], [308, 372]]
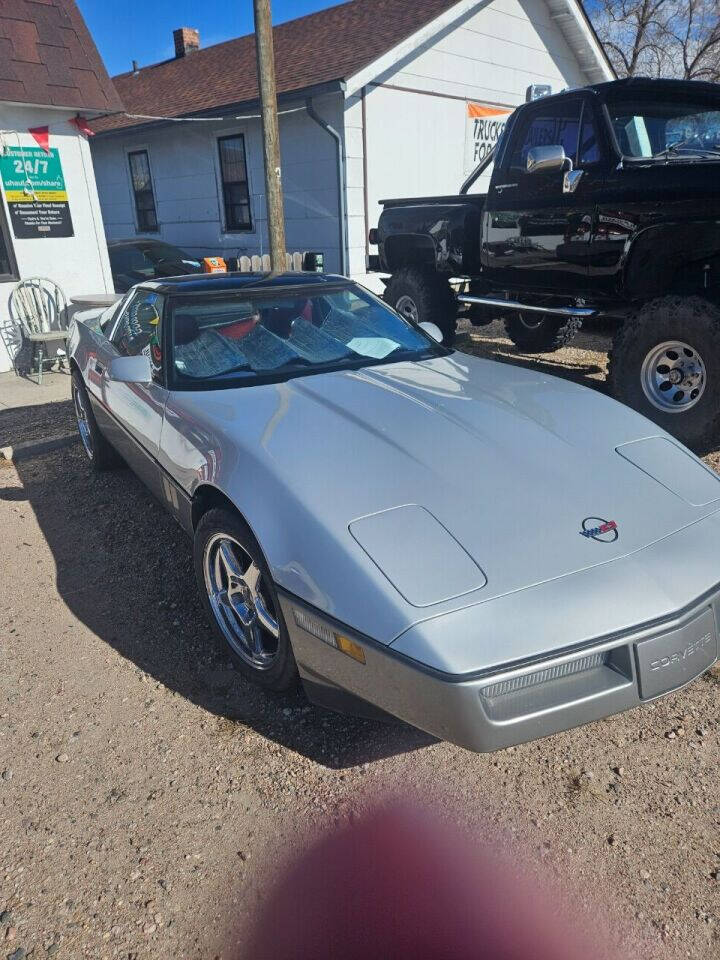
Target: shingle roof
[[47, 56], [332, 44]]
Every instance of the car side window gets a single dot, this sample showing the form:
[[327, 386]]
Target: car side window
[[557, 124], [139, 329], [126, 259], [108, 317]]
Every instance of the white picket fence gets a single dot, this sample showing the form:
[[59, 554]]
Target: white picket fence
[[259, 264]]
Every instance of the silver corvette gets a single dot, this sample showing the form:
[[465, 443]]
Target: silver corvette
[[487, 552]]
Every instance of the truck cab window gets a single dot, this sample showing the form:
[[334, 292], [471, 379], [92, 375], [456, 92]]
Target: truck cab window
[[556, 124]]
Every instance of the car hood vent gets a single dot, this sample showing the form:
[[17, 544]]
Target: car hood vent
[[675, 468], [418, 555]]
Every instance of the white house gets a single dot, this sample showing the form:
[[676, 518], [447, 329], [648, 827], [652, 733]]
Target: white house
[[378, 98], [50, 221]]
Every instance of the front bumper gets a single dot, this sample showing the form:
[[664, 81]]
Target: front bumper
[[509, 706]]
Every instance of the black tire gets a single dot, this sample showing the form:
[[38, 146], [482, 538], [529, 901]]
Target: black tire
[[689, 320], [425, 297], [101, 454], [540, 333], [281, 674]]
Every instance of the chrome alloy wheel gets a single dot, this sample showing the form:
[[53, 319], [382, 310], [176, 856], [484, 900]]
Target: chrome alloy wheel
[[81, 414], [673, 376], [241, 605], [407, 308]]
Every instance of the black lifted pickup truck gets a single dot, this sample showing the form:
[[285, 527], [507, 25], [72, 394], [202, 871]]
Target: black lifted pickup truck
[[603, 200]]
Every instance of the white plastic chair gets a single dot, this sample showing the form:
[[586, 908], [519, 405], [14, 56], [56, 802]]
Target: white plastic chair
[[40, 307]]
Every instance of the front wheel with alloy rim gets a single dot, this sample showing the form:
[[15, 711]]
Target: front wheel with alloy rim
[[665, 363], [100, 453], [540, 332], [241, 601]]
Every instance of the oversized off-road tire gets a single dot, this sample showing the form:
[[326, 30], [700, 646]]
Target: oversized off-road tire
[[665, 363], [241, 601], [540, 333], [101, 454], [424, 297]]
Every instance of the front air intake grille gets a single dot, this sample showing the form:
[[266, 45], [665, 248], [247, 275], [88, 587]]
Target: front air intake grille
[[568, 669]]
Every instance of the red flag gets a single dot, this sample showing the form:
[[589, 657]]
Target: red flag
[[81, 124], [41, 135]]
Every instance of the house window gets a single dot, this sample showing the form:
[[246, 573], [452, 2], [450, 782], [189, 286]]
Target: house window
[[143, 191], [236, 195], [8, 266]]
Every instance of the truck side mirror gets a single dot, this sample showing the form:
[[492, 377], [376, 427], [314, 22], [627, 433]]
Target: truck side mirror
[[546, 159]]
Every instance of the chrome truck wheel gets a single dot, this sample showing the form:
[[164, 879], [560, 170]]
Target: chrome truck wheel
[[422, 295], [407, 308], [665, 361], [673, 376]]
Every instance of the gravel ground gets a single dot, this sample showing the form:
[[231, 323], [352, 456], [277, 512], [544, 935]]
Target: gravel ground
[[146, 791]]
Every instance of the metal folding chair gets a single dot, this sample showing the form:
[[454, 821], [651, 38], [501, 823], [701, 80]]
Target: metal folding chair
[[40, 307]]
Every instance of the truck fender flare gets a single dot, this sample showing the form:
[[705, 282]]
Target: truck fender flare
[[654, 255], [410, 250]]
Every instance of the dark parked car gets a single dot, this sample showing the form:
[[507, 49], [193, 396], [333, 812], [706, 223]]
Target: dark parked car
[[133, 261], [603, 201]]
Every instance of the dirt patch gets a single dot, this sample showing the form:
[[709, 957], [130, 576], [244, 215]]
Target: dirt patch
[[145, 788]]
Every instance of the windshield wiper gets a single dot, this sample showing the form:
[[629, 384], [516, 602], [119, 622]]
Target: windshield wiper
[[683, 147]]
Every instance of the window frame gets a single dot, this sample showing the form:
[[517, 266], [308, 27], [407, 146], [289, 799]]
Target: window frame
[[227, 228], [138, 293], [181, 298], [637, 97], [7, 237], [598, 122], [522, 128], [129, 153]]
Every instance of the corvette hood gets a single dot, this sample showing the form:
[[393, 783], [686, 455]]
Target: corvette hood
[[507, 465]]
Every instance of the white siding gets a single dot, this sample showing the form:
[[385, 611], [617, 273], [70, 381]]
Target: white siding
[[79, 263], [416, 140], [185, 172], [415, 137]]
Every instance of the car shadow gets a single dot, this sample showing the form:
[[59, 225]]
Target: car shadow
[[124, 569]]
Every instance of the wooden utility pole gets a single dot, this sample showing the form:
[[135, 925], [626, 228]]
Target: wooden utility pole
[[271, 138]]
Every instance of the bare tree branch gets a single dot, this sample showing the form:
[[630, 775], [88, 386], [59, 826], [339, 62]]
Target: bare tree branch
[[670, 38]]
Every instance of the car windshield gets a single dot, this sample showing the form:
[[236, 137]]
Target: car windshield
[[231, 340], [666, 128]]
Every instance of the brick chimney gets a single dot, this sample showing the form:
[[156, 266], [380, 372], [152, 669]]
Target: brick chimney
[[187, 39]]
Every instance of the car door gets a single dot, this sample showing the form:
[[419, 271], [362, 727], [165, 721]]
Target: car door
[[536, 232], [132, 413]]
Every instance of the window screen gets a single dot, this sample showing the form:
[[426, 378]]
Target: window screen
[[143, 191], [236, 195]]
